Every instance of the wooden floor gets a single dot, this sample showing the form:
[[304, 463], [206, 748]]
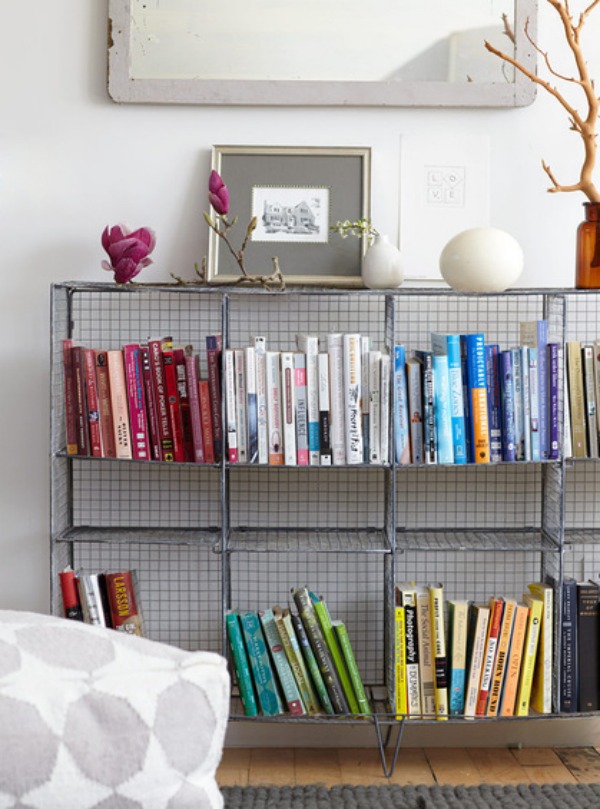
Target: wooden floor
[[289, 767]]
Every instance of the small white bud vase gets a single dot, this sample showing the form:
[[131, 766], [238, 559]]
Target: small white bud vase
[[382, 265], [481, 260]]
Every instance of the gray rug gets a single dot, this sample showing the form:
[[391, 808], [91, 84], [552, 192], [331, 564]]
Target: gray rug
[[524, 796]]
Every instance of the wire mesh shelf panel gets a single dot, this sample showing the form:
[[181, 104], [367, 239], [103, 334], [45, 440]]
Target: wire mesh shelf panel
[[122, 494], [351, 584], [582, 504], [583, 317], [495, 540], [582, 556], [179, 587], [333, 498], [278, 540]]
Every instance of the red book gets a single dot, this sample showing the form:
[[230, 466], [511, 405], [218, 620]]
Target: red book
[[107, 429], [173, 399], [81, 418], [70, 594], [140, 442], [491, 646], [160, 397], [124, 612], [93, 409], [213, 357], [70, 414], [150, 399], [191, 375], [184, 405], [205, 415]]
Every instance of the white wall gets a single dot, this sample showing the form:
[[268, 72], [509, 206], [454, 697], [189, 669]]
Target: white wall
[[72, 161]]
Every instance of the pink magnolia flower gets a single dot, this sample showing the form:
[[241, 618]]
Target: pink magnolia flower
[[128, 252], [218, 193]]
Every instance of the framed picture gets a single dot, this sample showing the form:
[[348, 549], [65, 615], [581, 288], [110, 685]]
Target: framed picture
[[296, 195]]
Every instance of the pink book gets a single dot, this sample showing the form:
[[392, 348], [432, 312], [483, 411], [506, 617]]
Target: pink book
[[138, 420]]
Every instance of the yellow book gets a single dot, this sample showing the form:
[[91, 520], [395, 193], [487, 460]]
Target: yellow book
[[532, 637], [400, 660], [440, 663], [541, 689], [577, 406]]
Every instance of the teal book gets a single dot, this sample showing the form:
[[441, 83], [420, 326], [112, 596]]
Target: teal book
[[264, 677], [401, 419], [458, 620], [241, 664], [282, 666], [441, 400], [457, 405]]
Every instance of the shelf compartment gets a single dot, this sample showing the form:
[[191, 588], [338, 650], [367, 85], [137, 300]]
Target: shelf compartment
[[116, 535], [474, 540], [306, 540]]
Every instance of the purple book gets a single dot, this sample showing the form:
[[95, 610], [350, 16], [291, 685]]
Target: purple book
[[553, 419], [492, 352]]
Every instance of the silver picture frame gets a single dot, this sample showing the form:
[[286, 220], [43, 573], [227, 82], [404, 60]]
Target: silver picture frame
[[297, 194]]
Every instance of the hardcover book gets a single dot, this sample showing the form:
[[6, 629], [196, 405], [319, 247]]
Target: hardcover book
[[310, 661], [213, 358], [553, 404], [443, 415], [479, 617], [426, 651], [569, 656], [160, 398], [138, 419], [252, 404], [184, 404], [589, 387], [489, 656], [384, 408], [401, 702], [406, 597], [534, 404], [70, 594], [518, 404], [109, 449], [118, 400], [282, 666], [151, 408], [375, 406], [125, 612], [331, 640], [70, 405], [507, 396], [588, 644], [576, 399], [193, 387], [230, 405], [260, 665], [274, 410], [355, 678], [93, 405], [206, 419], [365, 348], [173, 404], [428, 399], [415, 409], [241, 664], [457, 407], [81, 414]]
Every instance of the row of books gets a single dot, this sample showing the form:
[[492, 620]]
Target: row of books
[[459, 658], [104, 599], [144, 401], [298, 661], [464, 400], [582, 402], [579, 676]]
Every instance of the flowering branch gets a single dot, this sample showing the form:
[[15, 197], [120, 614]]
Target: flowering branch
[[362, 227]]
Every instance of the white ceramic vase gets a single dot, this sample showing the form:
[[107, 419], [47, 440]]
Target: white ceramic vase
[[481, 260], [382, 265]]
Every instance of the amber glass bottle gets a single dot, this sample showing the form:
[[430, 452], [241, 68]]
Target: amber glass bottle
[[588, 248]]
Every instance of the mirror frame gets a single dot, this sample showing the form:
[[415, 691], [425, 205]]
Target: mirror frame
[[123, 88]]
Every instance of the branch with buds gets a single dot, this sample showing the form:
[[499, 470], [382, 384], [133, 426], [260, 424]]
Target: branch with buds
[[583, 122]]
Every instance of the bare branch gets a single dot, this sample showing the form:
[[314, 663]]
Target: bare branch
[[508, 31]]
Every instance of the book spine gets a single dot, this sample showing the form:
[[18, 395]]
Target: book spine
[[311, 664], [213, 359], [492, 362], [489, 658], [576, 399], [596, 350], [274, 414], [352, 391], [513, 665], [93, 407], [475, 344], [401, 422], [426, 665], [193, 387], [518, 404], [173, 405], [150, 399], [429, 433], [230, 405], [341, 631], [118, 399], [588, 645], [240, 664], [375, 406], [288, 384], [440, 662], [365, 347], [160, 398], [507, 393], [241, 404], [534, 404], [324, 425], [542, 342], [307, 689], [457, 664], [526, 398], [415, 407], [589, 388], [301, 412], [83, 432], [480, 619], [541, 691], [91, 603], [386, 395], [569, 676], [309, 345], [413, 680], [401, 701], [70, 594], [69, 398], [137, 406], [258, 657], [553, 405], [282, 666], [501, 657], [250, 352], [336, 654], [337, 415], [206, 419], [260, 347], [109, 449], [532, 638], [443, 417], [457, 410], [189, 454], [124, 613], [294, 656]]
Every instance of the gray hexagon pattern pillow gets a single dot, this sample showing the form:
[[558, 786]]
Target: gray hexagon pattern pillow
[[92, 718]]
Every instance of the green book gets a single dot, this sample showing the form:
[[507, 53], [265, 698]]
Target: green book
[[311, 664], [295, 659], [241, 665], [262, 672], [336, 653], [355, 678]]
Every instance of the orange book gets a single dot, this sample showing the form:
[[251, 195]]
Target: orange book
[[513, 663], [473, 350], [508, 618], [489, 660], [107, 431]]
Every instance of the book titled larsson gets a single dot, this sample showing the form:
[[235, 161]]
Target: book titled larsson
[[353, 398], [125, 614]]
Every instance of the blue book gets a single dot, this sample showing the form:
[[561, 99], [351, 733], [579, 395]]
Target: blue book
[[450, 344], [401, 422], [553, 420], [534, 404], [477, 396], [240, 663], [518, 404], [492, 362], [260, 664], [458, 624], [443, 418], [507, 397], [534, 333]]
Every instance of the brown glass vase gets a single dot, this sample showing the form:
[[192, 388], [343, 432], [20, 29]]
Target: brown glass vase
[[588, 248]]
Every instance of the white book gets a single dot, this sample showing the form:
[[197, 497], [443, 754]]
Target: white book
[[324, 426], [252, 409], [352, 389], [567, 442], [91, 599], [230, 406], [477, 658], [288, 408], [337, 407], [241, 413], [309, 345], [261, 399], [375, 406], [384, 440], [274, 414], [365, 347]]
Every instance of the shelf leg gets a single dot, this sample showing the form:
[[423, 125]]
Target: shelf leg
[[388, 771]]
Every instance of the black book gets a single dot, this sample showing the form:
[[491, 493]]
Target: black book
[[569, 662], [588, 646]]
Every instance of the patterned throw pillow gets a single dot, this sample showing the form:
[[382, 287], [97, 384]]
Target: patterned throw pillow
[[90, 717]]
